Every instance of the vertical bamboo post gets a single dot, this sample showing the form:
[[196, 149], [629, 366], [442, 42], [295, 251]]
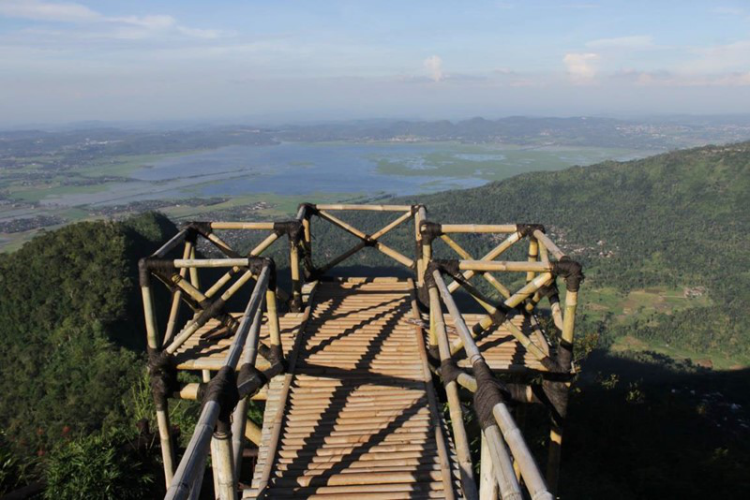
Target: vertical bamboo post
[[194, 278], [454, 401], [418, 237], [533, 255], [273, 321], [160, 400], [296, 281], [223, 464], [565, 357], [487, 483], [176, 298]]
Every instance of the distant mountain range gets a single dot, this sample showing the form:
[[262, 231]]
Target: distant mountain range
[[652, 134]]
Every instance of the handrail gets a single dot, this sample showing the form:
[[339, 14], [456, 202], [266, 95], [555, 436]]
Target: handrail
[[184, 477], [520, 451]]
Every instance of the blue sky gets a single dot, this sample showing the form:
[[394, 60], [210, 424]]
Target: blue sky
[[307, 60]]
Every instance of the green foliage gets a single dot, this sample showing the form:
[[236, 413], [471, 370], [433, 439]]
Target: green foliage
[[102, 466], [70, 325], [15, 471]]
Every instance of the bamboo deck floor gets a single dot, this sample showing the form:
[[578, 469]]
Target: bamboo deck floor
[[358, 416], [357, 412], [500, 348]]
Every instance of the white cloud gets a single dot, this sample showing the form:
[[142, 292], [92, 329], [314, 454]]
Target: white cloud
[[48, 11], [637, 42], [581, 67], [435, 66], [120, 27]]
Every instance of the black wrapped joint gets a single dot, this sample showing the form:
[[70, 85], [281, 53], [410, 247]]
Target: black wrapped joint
[[434, 353], [292, 228], [162, 377], [163, 267], [202, 228], [488, 394], [449, 370], [429, 231], [369, 242], [569, 270], [528, 229], [256, 266], [310, 209], [223, 390], [250, 379]]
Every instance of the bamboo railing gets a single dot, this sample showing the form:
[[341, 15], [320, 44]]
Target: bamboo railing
[[508, 467]]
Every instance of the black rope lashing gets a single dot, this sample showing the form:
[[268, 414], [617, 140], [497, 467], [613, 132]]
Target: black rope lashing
[[449, 370], [201, 227], [488, 394], [162, 376], [434, 353], [571, 271], [528, 229], [250, 379], [164, 268], [310, 209], [429, 231], [223, 389], [291, 228]]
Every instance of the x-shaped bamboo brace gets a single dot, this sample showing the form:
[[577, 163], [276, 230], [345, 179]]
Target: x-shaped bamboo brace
[[367, 240]]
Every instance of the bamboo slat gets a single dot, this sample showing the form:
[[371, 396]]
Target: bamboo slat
[[358, 417]]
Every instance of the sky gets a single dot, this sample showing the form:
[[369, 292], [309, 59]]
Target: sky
[[165, 60]]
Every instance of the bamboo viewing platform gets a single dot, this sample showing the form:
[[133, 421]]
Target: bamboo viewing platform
[[355, 372]]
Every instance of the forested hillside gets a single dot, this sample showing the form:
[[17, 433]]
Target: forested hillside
[[70, 336], [676, 219]]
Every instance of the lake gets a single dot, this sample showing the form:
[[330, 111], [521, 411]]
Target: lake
[[300, 169]]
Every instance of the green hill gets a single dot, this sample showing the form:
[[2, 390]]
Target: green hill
[[70, 329]]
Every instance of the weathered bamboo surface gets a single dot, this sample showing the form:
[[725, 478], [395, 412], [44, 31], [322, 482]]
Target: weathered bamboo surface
[[202, 352], [358, 417], [500, 348]]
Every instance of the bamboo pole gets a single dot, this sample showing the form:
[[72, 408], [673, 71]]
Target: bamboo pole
[[408, 215], [252, 432], [549, 244], [194, 277], [273, 321], [171, 244], [193, 327], [529, 470], [479, 228], [181, 483], [296, 279], [505, 476], [223, 465], [239, 417], [566, 344], [174, 310], [468, 274], [255, 252], [190, 263], [440, 440], [420, 261], [242, 225], [454, 402], [480, 265], [487, 482], [382, 247], [533, 255], [370, 208], [161, 402]]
